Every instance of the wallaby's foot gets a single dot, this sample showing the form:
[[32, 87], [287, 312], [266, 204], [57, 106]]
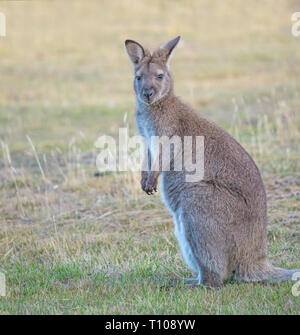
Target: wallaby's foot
[[196, 282], [211, 279], [144, 180], [151, 185], [182, 282], [191, 282]]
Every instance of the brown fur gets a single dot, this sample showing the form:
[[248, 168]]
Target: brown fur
[[220, 221]]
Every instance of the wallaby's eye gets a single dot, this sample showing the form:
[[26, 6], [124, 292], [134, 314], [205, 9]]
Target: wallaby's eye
[[138, 77], [160, 76]]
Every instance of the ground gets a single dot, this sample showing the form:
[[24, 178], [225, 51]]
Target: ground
[[71, 242]]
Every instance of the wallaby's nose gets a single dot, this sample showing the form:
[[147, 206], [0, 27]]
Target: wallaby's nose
[[147, 93]]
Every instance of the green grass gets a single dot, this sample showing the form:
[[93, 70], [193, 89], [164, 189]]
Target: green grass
[[72, 243]]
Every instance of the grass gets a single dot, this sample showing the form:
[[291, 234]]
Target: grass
[[73, 243]]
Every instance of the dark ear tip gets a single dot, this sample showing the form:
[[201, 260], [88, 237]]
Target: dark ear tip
[[130, 41]]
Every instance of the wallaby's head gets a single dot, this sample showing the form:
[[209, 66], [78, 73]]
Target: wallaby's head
[[153, 79]]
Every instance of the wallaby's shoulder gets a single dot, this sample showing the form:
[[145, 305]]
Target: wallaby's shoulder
[[193, 123]]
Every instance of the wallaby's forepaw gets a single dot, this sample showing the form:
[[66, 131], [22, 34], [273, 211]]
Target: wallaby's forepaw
[[150, 186], [144, 180]]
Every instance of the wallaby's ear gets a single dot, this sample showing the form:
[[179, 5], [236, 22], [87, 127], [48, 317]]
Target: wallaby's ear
[[169, 47], [135, 51]]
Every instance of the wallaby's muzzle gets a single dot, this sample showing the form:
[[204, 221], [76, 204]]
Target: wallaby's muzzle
[[147, 94]]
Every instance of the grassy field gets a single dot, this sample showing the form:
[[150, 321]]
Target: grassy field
[[74, 243]]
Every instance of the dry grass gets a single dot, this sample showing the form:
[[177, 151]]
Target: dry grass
[[73, 243]]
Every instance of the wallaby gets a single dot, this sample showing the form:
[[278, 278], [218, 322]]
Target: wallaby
[[220, 221]]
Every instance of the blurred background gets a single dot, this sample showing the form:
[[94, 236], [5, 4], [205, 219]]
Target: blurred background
[[65, 79], [64, 70]]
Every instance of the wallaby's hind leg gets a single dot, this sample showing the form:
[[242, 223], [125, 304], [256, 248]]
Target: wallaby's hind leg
[[203, 243], [211, 279]]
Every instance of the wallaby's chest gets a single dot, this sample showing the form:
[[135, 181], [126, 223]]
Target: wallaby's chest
[[146, 126]]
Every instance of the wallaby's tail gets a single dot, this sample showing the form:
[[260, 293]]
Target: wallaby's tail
[[265, 272]]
